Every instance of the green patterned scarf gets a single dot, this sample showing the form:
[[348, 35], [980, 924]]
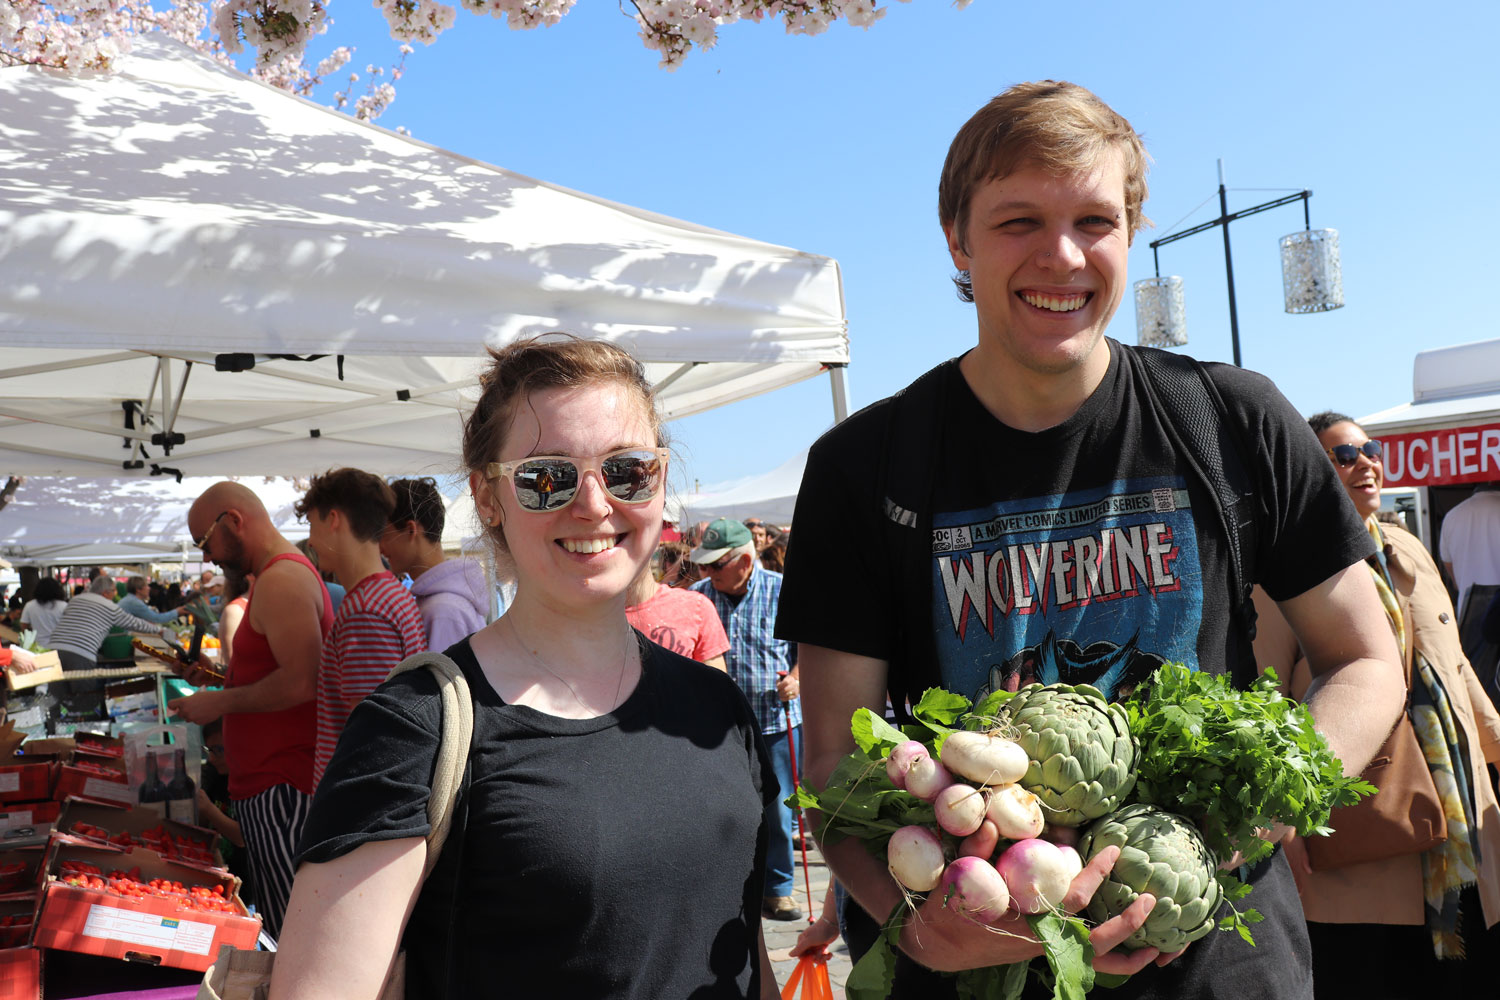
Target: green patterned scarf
[[1454, 864]]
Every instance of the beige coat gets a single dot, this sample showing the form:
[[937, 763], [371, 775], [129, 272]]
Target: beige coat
[[1390, 892]]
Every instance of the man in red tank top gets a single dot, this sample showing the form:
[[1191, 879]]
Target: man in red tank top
[[268, 700]]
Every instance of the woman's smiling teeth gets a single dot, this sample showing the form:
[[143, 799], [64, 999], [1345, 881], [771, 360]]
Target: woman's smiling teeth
[[1056, 303], [589, 545]]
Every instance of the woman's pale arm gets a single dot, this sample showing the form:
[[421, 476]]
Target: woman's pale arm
[[344, 922]]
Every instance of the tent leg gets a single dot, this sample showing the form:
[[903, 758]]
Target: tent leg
[[838, 380]]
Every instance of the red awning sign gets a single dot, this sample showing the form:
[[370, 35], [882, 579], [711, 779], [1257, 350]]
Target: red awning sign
[[1439, 458]]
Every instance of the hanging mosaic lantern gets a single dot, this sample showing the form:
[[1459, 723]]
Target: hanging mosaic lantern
[[1160, 312], [1311, 276]]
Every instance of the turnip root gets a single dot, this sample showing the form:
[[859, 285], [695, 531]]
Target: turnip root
[[972, 887], [915, 858], [901, 759], [960, 809], [986, 759], [1075, 863], [1037, 874], [926, 777], [1017, 813]]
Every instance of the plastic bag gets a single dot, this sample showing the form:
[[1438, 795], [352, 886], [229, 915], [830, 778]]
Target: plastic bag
[[812, 974]]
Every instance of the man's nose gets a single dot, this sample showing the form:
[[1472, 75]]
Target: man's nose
[[1060, 251]]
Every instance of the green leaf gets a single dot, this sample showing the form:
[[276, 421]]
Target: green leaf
[[995, 982], [872, 733], [992, 703], [1065, 942], [874, 974], [940, 710]]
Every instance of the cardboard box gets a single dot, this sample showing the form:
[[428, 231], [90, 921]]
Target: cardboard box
[[48, 669], [153, 930], [21, 869], [17, 916], [28, 777], [91, 777], [130, 698], [21, 974], [115, 820], [27, 822]]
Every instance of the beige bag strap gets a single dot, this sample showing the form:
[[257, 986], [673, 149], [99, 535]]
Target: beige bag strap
[[453, 749]]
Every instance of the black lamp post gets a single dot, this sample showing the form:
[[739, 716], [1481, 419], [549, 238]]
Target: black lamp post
[[1311, 276]]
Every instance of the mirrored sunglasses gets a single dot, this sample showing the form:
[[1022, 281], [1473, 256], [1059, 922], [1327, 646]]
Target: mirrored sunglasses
[[1347, 454], [545, 483]]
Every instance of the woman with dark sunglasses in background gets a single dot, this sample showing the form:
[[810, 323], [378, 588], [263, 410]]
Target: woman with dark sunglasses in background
[[1434, 916], [615, 793]]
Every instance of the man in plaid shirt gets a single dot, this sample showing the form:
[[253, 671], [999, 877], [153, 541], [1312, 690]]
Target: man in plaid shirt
[[765, 668]]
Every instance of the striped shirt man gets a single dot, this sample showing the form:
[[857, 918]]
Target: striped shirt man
[[755, 654], [87, 620], [377, 626]]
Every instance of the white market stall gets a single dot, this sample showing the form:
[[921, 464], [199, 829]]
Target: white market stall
[[771, 496], [192, 260], [65, 520]]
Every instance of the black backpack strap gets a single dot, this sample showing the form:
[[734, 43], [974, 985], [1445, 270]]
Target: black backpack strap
[[1195, 416], [906, 480]]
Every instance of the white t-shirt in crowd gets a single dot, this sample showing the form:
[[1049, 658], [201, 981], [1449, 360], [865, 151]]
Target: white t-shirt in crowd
[[1470, 541], [41, 617]]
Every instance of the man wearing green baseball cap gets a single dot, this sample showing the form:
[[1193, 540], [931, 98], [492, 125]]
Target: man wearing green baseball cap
[[745, 595]]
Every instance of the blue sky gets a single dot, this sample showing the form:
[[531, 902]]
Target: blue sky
[[833, 145]]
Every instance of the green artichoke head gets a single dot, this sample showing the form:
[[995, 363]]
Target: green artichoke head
[[1082, 753], [1165, 855]]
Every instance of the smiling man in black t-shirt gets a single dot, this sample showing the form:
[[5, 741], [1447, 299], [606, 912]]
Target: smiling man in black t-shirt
[[1058, 534]]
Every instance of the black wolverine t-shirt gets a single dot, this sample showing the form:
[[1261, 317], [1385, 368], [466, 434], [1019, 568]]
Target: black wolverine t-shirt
[[618, 857], [1085, 553]]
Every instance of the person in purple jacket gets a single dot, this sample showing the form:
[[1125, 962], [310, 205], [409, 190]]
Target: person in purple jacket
[[453, 594]]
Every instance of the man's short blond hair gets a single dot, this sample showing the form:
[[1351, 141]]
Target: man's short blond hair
[[1060, 126]]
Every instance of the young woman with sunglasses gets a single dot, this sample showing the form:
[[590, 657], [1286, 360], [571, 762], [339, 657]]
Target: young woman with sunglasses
[[615, 796]]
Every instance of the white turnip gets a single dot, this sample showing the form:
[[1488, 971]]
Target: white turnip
[[926, 777], [1075, 863], [972, 887], [960, 809], [901, 759], [1037, 874], [989, 760], [915, 858], [1016, 812]]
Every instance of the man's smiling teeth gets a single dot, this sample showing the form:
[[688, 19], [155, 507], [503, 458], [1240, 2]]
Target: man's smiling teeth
[[1056, 303], [589, 545]]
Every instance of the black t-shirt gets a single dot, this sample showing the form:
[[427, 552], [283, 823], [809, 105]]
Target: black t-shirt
[[1087, 552], [620, 857]]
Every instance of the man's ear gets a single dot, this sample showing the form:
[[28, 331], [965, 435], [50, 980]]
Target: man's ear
[[956, 249]]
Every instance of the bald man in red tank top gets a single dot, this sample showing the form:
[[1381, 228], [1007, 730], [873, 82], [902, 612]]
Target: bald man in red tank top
[[268, 701]]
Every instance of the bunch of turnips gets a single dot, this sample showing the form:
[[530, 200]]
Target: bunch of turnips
[[997, 807]]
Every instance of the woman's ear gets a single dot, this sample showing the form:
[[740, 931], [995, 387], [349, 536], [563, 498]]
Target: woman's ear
[[484, 499]]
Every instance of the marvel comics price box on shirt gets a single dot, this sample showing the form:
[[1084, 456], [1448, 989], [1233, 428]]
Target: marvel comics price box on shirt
[[129, 910]]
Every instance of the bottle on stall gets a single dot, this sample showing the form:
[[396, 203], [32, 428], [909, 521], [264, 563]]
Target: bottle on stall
[[182, 793], [152, 789]]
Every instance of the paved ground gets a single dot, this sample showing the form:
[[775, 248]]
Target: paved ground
[[781, 935]]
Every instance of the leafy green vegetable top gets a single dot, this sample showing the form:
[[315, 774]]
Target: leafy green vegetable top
[[1234, 760]]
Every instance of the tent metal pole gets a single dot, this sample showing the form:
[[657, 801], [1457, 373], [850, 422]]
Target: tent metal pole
[[838, 381]]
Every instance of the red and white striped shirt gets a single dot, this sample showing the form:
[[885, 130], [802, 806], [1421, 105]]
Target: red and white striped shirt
[[378, 626]]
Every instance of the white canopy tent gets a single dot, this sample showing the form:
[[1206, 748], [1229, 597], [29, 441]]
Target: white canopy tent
[[63, 520], [770, 496], [191, 259]]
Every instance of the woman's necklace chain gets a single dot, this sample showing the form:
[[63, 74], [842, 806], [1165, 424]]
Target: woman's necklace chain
[[619, 683]]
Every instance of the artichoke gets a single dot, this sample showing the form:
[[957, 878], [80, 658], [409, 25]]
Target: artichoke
[[1082, 753], [1165, 855]]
